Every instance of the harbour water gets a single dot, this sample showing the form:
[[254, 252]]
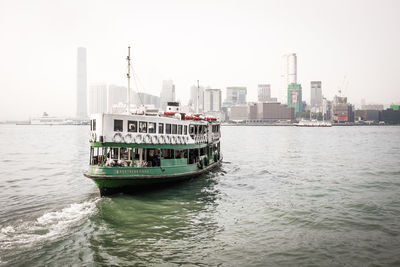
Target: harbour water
[[284, 196]]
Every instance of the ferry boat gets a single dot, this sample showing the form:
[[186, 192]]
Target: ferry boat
[[146, 148]]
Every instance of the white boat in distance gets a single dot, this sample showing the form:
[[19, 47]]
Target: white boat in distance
[[313, 123]]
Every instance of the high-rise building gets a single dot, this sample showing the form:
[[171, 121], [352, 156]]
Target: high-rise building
[[196, 98], [167, 93], [294, 97], [236, 95], [212, 100], [97, 98], [316, 94], [264, 92], [289, 73], [81, 84], [116, 94], [146, 99]]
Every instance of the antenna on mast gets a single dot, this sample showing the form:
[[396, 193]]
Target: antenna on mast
[[128, 75], [198, 97]]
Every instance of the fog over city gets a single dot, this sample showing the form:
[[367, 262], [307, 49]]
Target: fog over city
[[220, 43]]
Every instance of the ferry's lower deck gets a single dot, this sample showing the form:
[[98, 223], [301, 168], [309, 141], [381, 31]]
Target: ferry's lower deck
[[115, 166]]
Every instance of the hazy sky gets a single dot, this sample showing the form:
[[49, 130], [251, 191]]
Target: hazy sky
[[221, 43]]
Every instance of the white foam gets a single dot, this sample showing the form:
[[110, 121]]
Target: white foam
[[48, 226]]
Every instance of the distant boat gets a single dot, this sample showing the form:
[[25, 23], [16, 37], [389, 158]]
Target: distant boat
[[313, 123], [45, 119]]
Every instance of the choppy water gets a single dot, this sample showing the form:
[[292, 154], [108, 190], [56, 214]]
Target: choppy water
[[283, 196]]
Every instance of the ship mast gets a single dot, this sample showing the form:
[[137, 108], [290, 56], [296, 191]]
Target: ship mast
[[128, 75], [198, 97]]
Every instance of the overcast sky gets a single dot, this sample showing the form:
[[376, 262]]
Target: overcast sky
[[221, 43]]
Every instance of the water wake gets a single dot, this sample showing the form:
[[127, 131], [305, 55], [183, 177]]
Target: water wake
[[47, 227]]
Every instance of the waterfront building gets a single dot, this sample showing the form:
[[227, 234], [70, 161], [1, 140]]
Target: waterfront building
[[367, 115], [371, 107], [212, 100], [316, 96], [196, 100], [289, 73], [167, 93], [81, 84], [390, 116], [236, 95], [342, 111], [115, 95], [98, 98], [238, 113], [294, 97], [270, 112]]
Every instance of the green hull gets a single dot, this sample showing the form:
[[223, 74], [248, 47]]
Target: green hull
[[111, 180]]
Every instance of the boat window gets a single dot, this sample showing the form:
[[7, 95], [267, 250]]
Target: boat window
[[94, 125], [167, 153], [161, 128], [197, 129], [168, 128], [180, 153], [114, 153], [152, 127], [179, 129], [191, 129], [118, 127], [174, 129], [91, 124], [185, 132], [132, 126], [153, 157], [142, 127], [124, 153]]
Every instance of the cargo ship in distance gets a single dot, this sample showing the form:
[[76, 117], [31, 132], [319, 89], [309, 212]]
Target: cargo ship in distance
[[148, 148]]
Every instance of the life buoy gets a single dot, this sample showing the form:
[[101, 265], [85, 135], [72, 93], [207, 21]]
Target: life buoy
[[117, 138], [147, 139], [138, 139], [154, 139], [161, 139], [128, 138], [179, 139], [167, 139]]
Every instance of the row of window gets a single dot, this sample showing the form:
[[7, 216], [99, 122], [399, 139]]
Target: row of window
[[150, 127]]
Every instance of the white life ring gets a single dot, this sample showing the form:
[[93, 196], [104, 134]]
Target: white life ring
[[138, 139], [147, 139], [154, 139], [118, 138], [128, 138], [161, 139], [173, 140], [167, 139], [183, 139], [178, 140]]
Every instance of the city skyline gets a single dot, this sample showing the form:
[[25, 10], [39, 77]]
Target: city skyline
[[39, 55]]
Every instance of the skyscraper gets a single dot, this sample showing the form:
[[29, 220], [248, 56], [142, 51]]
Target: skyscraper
[[81, 84], [289, 72], [316, 94], [116, 94], [212, 100], [97, 98], [196, 98], [236, 95], [294, 97], [167, 93], [264, 92]]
